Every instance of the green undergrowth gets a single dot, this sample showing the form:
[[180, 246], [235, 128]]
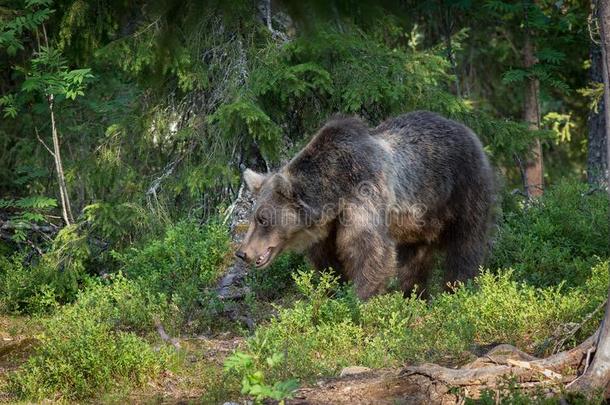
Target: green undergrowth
[[32, 284], [91, 346], [556, 239], [184, 266], [328, 328]]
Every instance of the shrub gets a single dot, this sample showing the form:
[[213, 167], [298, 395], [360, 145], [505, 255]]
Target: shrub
[[555, 239], [272, 283], [329, 329], [55, 278], [125, 305], [254, 382], [184, 265], [37, 288], [86, 348]]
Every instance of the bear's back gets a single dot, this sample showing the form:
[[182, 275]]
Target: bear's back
[[432, 157]]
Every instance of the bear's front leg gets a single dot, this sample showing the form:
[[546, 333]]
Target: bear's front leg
[[365, 249]]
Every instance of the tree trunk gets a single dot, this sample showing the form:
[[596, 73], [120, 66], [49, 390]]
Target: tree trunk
[[59, 167], [597, 158], [531, 114], [61, 179], [598, 374]]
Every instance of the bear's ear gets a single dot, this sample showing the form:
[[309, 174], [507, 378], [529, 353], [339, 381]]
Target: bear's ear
[[254, 180]]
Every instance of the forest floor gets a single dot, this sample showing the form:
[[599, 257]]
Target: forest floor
[[199, 374], [196, 374]]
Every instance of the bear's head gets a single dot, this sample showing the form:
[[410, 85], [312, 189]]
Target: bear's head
[[279, 219]]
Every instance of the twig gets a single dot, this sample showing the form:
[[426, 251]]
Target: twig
[[576, 328], [33, 246], [587, 363], [151, 193], [165, 337], [43, 143], [231, 208], [588, 360], [592, 191]]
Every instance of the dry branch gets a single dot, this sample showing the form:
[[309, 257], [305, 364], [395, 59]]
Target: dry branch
[[165, 337], [503, 361]]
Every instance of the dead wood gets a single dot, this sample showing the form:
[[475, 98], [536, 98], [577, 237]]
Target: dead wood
[[431, 383]]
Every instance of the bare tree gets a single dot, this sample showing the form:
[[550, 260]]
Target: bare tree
[[56, 152]]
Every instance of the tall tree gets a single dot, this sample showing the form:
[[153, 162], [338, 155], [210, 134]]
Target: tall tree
[[597, 158], [598, 374], [534, 172], [45, 74]]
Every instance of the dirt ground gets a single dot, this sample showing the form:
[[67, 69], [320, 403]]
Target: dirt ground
[[374, 387]]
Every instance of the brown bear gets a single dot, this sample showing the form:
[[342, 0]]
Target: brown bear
[[371, 203]]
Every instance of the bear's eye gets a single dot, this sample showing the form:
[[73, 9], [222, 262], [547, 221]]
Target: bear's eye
[[262, 221]]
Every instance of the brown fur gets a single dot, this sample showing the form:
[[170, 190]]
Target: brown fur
[[375, 202]]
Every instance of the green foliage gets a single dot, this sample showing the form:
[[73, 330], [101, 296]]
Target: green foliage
[[184, 266], [353, 72], [594, 94], [253, 381], [85, 349], [49, 74], [273, 282], [243, 115], [25, 288], [27, 212], [556, 238], [33, 14], [330, 329], [36, 288], [561, 125], [118, 222], [125, 305]]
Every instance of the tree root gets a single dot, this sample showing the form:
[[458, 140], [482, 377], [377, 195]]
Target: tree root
[[502, 361], [434, 384]]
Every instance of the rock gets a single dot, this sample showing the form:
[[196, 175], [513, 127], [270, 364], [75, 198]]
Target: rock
[[238, 214], [353, 370], [231, 285]]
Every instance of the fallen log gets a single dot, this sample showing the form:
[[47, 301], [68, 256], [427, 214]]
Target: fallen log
[[431, 383]]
